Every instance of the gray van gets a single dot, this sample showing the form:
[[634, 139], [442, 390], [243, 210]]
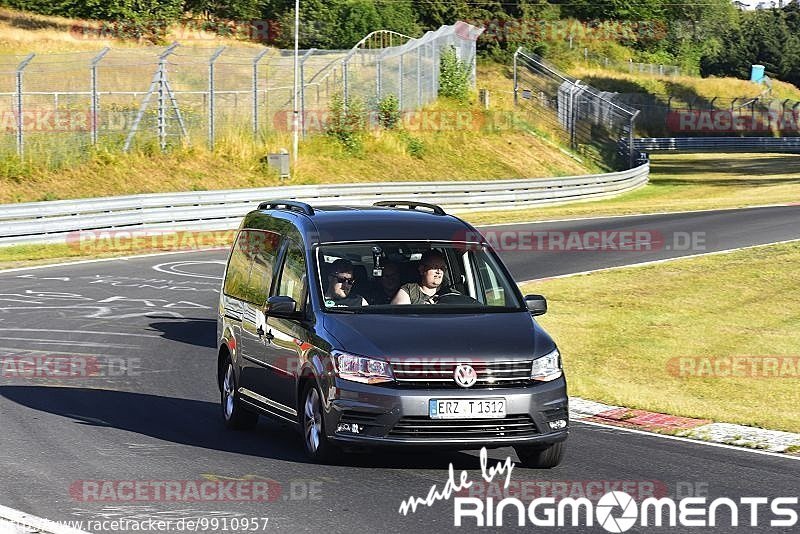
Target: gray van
[[389, 325]]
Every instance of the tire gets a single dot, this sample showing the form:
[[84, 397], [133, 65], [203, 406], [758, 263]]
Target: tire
[[541, 457], [315, 441], [235, 416]]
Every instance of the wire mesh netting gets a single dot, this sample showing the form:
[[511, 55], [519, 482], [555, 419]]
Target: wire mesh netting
[[592, 122], [56, 106]]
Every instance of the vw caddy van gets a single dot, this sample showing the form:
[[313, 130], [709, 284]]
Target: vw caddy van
[[389, 325]]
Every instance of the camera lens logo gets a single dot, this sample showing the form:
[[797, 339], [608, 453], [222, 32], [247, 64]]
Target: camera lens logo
[[606, 505]]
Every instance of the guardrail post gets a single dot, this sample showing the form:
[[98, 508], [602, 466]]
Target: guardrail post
[[211, 98], [18, 79], [255, 90], [302, 118], [95, 96]]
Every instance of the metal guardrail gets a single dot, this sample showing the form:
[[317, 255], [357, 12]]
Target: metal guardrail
[[718, 144], [60, 220]]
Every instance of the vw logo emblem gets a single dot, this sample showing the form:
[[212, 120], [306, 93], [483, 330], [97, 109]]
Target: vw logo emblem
[[465, 376]]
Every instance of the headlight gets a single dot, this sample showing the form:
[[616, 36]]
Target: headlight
[[361, 369], [547, 368]]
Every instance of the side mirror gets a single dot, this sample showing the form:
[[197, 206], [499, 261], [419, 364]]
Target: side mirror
[[537, 304], [280, 306]]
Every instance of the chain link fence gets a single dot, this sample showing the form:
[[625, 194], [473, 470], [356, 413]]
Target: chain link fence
[[56, 106], [590, 121]]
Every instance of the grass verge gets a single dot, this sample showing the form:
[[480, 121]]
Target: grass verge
[[626, 335], [685, 182]]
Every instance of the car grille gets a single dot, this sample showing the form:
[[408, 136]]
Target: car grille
[[439, 373], [423, 427]]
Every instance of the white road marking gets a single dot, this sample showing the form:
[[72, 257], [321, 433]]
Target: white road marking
[[174, 268], [689, 440], [17, 517], [95, 332]]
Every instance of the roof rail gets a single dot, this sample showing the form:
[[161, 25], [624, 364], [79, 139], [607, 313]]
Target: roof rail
[[411, 205], [290, 205]]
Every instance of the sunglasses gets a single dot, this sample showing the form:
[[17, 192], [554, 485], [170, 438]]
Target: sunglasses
[[344, 280]]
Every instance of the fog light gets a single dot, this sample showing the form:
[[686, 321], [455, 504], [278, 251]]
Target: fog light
[[558, 424], [348, 427]]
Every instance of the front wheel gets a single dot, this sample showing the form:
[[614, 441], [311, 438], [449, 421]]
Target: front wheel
[[541, 457], [234, 415], [318, 448]]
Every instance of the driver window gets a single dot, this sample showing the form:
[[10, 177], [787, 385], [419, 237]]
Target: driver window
[[293, 275]]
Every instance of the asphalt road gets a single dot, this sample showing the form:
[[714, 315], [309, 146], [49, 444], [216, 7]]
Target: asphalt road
[[150, 413]]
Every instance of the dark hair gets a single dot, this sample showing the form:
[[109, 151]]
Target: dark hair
[[429, 255], [339, 266]]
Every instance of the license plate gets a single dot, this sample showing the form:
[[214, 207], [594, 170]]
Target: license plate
[[467, 408]]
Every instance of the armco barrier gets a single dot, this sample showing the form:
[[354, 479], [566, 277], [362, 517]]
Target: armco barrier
[[52, 221], [718, 144]]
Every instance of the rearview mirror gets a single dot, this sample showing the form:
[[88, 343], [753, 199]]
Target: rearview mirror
[[536, 304], [280, 306]]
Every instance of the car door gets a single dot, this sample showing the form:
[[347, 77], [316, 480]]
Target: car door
[[288, 340], [262, 247]]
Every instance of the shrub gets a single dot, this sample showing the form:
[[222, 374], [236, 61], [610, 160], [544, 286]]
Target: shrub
[[454, 76], [389, 111]]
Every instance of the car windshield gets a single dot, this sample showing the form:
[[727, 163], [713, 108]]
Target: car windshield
[[386, 277]]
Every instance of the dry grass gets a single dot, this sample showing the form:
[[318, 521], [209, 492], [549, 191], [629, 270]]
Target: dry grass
[[620, 332], [22, 33]]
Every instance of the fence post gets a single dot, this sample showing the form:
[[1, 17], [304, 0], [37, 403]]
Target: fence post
[[419, 76], [400, 82], [255, 90], [211, 97], [630, 139], [303, 90], [95, 95], [345, 92], [516, 80], [20, 135], [379, 75]]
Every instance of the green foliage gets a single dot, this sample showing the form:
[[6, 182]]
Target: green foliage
[[347, 122], [389, 111], [415, 146], [453, 76]]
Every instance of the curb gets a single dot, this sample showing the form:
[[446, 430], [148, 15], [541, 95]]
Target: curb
[[685, 427]]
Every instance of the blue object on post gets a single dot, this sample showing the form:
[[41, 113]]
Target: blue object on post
[[757, 73]]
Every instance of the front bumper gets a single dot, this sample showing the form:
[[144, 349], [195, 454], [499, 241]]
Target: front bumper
[[398, 416]]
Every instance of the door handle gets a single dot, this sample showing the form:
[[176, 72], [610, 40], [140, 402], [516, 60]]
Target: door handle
[[260, 331], [269, 336]]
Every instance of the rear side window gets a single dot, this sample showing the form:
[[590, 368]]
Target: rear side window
[[251, 265]]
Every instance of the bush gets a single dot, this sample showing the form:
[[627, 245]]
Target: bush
[[347, 122], [414, 145], [454, 76], [389, 111]]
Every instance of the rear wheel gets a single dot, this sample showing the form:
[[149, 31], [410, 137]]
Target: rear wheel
[[541, 457], [318, 448], [234, 415]]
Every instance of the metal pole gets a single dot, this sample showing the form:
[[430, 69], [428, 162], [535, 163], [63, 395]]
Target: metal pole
[[211, 98], [630, 140], [516, 81], [95, 96], [20, 135], [303, 91], [419, 76], [400, 82], [295, 111], [255, 90], [379, 75], [162, 116], [345, 93]]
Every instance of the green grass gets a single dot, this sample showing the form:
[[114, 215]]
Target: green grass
[[685, 182], [621, 330]]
